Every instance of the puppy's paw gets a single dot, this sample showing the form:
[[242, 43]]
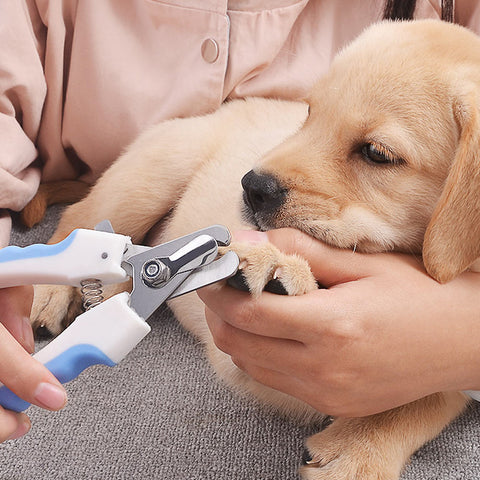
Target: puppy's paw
[[54, 308], [349, 450], [264, 266]]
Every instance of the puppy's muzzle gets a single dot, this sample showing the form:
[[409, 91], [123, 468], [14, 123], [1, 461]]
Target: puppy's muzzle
[[263, 195]]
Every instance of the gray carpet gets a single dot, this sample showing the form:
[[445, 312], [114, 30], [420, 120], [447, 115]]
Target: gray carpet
[[161, 414]]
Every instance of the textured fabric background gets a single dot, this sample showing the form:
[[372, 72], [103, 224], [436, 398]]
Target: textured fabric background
[[161, 414]]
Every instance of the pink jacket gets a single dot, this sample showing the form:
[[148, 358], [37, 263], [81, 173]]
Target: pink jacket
[[80, 79]]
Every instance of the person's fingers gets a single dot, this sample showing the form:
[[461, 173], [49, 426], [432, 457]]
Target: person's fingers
[[15, 306], [286, 355], [271, 315], [26, 377], [13, 425]]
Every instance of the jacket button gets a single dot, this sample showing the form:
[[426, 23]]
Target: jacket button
[[210, 50]]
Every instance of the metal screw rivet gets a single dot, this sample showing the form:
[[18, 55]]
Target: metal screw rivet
[[155, 273]]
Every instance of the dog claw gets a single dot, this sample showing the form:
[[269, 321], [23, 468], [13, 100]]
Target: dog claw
[[308, 461], [328, 420], [306, 457], [42, 332]]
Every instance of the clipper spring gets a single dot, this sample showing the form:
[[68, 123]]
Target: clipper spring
[[92, 293]]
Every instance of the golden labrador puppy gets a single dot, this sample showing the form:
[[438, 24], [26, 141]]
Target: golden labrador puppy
[[382, 156]]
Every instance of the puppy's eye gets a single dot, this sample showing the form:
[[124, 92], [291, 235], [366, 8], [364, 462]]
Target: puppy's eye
[[379, 154]]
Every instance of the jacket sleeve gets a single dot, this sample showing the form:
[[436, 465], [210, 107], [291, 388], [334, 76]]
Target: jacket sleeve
[[22, 94]]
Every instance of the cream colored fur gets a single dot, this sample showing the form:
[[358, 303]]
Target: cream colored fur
[[410, 89]]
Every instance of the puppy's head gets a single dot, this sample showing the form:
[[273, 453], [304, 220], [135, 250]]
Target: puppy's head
[[389, 156]]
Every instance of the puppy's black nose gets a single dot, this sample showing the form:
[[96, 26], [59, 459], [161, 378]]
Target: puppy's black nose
[[263, 192]]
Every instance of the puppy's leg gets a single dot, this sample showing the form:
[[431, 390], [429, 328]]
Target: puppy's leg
[[377, 447], [146, 181], [134, 193], [55, 307]]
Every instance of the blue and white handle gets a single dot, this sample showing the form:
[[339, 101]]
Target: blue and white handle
[[103, 335], [83, 254]]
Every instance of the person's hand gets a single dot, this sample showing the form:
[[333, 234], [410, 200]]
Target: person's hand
[[19, 372], [382, 334]]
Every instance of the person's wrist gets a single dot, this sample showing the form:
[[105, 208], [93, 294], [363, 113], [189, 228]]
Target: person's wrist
[[465, 334]]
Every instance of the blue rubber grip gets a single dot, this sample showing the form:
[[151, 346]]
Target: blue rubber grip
[[13, 252], [66, 366]]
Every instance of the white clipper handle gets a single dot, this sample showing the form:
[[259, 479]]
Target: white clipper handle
[[83, 254]]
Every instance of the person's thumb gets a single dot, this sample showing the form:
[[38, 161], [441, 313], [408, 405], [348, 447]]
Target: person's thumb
[[15, 305]]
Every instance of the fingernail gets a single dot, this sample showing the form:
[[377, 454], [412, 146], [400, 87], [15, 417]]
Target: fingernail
[[50, 396], [21, 430], [250, 236], [27, 336]]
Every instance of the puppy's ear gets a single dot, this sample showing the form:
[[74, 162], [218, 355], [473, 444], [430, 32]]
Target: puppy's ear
[[452, 238]]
